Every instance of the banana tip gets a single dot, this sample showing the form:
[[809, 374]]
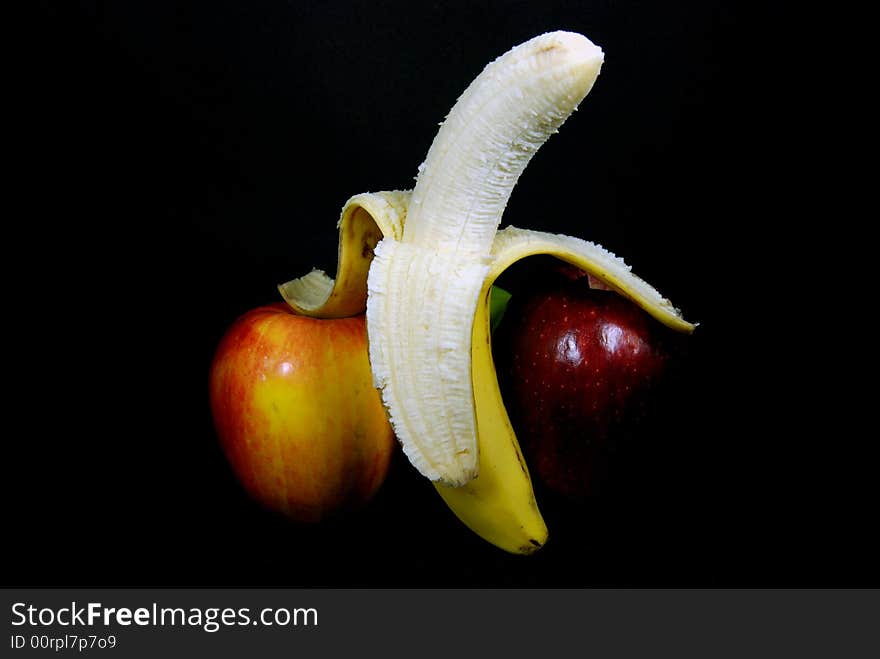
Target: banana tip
[[578, 46]]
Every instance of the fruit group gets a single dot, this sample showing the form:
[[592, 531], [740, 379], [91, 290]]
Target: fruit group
[[577, 366], [297, 414]]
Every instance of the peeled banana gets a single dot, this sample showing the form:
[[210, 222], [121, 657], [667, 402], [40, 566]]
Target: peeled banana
[[422, 264]]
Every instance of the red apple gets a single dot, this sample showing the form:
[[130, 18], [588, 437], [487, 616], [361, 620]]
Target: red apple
[[576, 366], [297, 414]]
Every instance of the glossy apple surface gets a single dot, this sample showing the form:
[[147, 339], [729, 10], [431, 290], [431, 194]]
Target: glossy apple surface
[[576, 366], [297, 414]]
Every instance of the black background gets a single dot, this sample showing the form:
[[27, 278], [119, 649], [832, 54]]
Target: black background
[[185, 157]]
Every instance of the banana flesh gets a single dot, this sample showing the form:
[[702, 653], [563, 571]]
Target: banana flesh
[[423, 289], [422, 264]]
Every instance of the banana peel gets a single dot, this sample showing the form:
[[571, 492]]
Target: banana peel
[[499, 504]]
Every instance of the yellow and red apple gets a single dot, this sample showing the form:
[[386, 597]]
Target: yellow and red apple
[[297, 414]]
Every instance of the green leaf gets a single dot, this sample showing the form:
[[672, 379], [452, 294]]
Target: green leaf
[[498, 299]]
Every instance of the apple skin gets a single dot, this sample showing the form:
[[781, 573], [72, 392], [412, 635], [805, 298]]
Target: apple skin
[[296, 412], [577, 367]]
